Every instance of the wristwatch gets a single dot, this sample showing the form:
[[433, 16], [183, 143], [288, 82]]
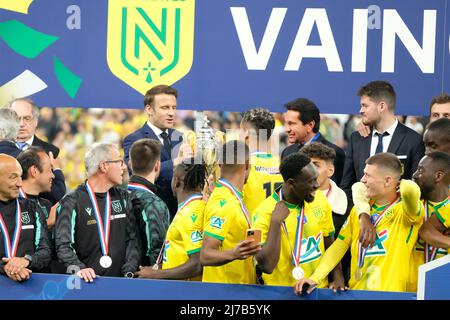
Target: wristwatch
[[129, 274], [29, 258]]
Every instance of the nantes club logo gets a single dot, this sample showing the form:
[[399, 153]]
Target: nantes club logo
[[150, 42]]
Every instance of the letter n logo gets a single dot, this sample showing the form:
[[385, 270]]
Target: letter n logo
[[150, 42]]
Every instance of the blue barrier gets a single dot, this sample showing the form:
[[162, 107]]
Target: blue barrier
[[62, 287], [434, 280]]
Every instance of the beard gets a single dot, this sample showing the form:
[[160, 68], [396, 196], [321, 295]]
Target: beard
[[309, 198]]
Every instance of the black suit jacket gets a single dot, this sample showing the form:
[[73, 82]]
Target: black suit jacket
[[9, 148], [59, 183], [406, 144], [165, 177], [338, 161], [46, 146]]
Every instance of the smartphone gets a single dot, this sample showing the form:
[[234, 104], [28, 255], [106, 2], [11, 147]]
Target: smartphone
[[254, 235]]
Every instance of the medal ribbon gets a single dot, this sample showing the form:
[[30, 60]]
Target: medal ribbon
[[361, 250], [137, 186], [181, 206], [227, 185], [430, 252], [298, 235], [11, 248], [22, 193], [103, 229]]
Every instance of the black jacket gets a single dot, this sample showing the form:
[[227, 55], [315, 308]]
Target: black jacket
[[406, 143], [76, 235], [34, 238], [338, 161]]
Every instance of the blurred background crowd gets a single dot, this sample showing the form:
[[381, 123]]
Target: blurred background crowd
[[74, 129]]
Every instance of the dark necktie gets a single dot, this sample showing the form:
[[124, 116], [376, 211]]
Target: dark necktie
[[379, 148], [167, 143]]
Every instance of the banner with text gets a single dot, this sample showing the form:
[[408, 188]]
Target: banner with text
[[223, 54]]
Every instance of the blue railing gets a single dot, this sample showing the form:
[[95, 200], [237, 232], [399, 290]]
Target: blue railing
[[62, 287]]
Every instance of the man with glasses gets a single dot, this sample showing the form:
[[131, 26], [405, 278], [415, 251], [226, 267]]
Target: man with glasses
[[28, 114], [95, 231]]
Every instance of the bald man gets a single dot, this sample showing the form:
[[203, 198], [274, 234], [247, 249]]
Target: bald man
[[24, 242]]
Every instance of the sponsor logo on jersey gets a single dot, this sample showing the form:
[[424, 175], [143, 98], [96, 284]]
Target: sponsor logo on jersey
[[222, 202], [311, 248], [89, 211], [194, 217], [269, 170], [378, 248], [196, 236], [216, 222]]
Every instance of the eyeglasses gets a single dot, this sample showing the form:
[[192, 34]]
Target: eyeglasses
[[120, 161], [26, 119]]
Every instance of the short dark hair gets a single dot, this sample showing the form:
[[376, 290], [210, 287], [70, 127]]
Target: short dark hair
[[143, 155], [194, 174], [440, 125], [320, 151], [259, 119], [234, 152], [379, 91], [440, 99], [292, 165], [29, 158], [161, 89], [441, 160], [308, 111], [388, 161]]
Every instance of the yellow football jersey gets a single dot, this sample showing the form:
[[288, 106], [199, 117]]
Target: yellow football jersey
[[386, 264], [224, 220], [185, 234], [318, 223], [263, 179], [442, 211]]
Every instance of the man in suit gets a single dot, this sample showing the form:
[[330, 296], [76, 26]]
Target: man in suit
[[160, 103], [9, 126], [302, 123], [440, 107], [377, 100], [28, 114]]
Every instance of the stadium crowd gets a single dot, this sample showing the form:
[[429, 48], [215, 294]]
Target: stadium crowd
[[299, 198]]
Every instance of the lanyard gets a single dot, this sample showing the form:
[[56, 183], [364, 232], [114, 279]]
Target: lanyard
[[137, 186], [181, 206], [361, 250], [11, 247], [298, 234], [228, 185], [103, 226]]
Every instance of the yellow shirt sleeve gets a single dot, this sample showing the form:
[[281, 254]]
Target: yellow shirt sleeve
[[329, 260], [192, 236], [218, 221], [261, 220], [328, 228], [360, 201], [410, 194]]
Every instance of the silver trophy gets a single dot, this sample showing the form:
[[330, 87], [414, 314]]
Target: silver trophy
[[205, 141]]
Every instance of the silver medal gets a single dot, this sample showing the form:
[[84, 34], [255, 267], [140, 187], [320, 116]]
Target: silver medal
[[297, 273], [106, 262]]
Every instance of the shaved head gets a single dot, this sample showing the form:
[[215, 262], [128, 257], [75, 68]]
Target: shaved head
[[10, 177]]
